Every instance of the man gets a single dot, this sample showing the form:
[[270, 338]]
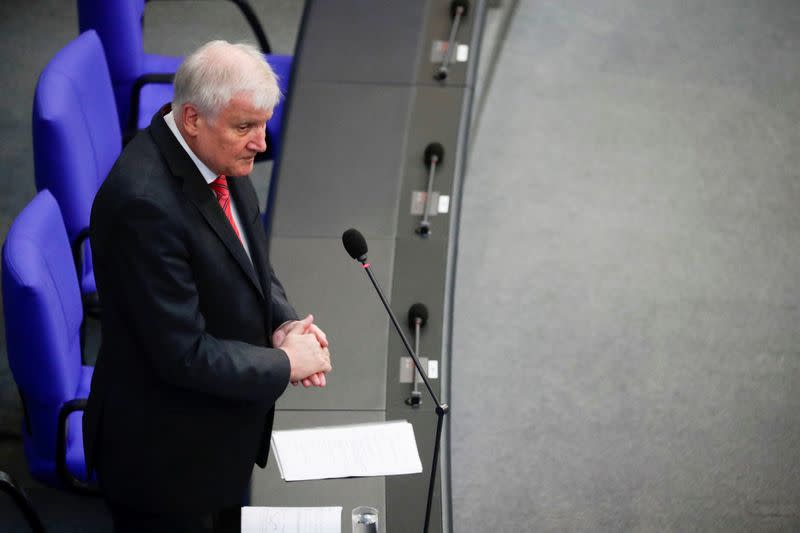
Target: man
[[199, 339]]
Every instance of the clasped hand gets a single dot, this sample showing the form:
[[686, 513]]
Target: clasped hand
[[306, 345]]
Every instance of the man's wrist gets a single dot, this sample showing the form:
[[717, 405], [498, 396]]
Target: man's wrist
[[279, 327]]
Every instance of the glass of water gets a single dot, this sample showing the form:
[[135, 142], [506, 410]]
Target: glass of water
[[365, 520]]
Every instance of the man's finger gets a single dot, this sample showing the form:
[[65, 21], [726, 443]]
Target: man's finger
[[321, 337], [303, 325], [328, 366]]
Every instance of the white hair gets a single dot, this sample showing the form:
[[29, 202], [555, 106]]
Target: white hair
[[217, 71]]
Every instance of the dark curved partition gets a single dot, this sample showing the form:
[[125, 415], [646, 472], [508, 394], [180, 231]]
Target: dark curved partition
[[364, 107]]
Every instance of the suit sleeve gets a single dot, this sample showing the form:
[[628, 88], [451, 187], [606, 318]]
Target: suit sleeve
[[157, 289], [282, 310]]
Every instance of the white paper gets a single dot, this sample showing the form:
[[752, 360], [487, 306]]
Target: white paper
[[380, 449], [291, 520]]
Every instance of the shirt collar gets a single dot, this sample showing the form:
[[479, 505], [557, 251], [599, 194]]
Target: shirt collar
[[207, 173]]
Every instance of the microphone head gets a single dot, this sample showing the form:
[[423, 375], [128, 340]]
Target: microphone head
[[434, 149], [355, 244], [463, 4], [417, 311]]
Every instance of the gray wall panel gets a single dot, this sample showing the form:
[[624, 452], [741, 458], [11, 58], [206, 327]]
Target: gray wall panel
[[345, 307], [342, 160], [406, 496], [355, 41], [363, 109], [418, 277], [435, 118], [359, 41], [437, 28], [267, 487]]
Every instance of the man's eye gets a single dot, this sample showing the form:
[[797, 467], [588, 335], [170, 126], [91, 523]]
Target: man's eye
[[243, 127]]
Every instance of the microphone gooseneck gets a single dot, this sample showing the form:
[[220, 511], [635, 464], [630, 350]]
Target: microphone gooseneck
[[458, 10], [356, 246], [434, 153], [417, 318]]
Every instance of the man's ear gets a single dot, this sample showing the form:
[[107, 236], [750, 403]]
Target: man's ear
[[190, 119]]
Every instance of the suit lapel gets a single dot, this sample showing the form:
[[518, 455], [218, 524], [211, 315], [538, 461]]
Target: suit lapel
[[200, 194], [246, 201], [202, 197]]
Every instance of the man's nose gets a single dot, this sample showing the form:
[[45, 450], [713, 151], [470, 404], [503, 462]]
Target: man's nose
[[258, 142]]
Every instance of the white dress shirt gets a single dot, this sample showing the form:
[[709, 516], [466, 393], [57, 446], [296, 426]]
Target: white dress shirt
[[209, 176]]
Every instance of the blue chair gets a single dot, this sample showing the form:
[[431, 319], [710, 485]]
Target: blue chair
[[76, 141], [43, 317], [143, 82]]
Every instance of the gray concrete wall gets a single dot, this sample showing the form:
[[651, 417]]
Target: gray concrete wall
[[629, 273]]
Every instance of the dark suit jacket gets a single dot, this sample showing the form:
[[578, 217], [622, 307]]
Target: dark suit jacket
[[183, 393]]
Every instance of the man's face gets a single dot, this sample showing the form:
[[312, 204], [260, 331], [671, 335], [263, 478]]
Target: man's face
[[229, 142]]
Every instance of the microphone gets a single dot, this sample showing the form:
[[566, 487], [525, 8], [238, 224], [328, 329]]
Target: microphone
[[417, 317], [458, 10], [434, 153], [417, 314], [355, 244], [356, 247]]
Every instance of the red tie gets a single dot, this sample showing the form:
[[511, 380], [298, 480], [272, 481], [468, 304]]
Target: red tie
[[220, 188]]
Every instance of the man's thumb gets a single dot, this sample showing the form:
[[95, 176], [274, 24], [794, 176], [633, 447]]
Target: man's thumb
[[302, 326]]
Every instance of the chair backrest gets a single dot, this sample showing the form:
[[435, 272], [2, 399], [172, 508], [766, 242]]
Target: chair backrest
[[76, 137], [43, 315], [118, 23]]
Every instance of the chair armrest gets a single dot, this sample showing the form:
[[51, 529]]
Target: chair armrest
[[145, 79], [164, 78], [63, 472], [133, 116], [7, 484], [91, 302], [254, 23], [77, 250]]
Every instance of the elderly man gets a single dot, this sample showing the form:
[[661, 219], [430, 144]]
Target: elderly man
[[199, 340]]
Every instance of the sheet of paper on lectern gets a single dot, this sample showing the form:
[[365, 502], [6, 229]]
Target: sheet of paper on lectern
[[291, 520], [378, 449]]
